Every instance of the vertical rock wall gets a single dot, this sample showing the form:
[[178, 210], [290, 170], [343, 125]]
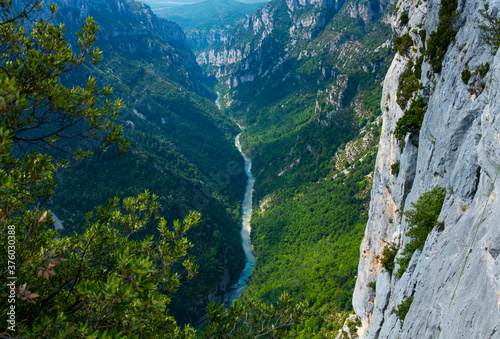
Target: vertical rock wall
[[458, 148]]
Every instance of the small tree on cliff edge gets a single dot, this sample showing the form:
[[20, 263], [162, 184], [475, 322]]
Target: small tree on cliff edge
[[102, 283]]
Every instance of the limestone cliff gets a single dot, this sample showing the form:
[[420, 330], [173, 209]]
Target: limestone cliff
[[283, 34], [127, 18], [458, 147], [305, 19]]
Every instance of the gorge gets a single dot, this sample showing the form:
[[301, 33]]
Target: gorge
[[456, 148], [367, 173]]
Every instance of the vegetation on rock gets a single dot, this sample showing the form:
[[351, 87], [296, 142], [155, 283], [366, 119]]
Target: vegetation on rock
[[466, 75], [395, 168], [389, 253], [411, 121], [490, 28], [402, 310], [402, 44], [421, 220], [438, 41], [409, 84]]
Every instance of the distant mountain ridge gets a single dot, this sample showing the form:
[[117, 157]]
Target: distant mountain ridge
[[163, 4]]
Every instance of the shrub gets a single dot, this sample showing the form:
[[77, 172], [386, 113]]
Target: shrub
[[441, 38], [408, 85], [404, 18], [491, 30], [372, 285], [395, 168], [402, 309], [395, 9], [466, 75], [353, 327], [418, 67], [483, 69], [389, 253], [402, 44], [423, 35], [411, 121], [421, 220], [477, 86]]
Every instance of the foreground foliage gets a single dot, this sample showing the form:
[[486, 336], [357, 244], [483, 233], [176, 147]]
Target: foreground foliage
[[39, 111], [101, 281], [253, 319]]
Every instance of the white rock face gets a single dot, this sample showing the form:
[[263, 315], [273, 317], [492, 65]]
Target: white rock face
[[260, 25], [222, 57], [458, 148]]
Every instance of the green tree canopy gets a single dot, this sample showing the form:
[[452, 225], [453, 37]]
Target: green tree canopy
[[35, 106]]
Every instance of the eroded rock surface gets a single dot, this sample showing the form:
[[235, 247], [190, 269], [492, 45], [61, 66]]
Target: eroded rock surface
[[458, 148]]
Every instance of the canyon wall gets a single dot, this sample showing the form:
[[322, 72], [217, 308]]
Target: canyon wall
[[458, 148]]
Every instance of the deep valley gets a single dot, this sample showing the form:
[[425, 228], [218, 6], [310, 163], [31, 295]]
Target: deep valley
[[282, 169]]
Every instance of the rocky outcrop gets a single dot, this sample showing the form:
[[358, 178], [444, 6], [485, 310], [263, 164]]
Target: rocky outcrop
[[233, 49], [135, 18], [455, 279], [203, 39], [222, 57], [293, 5], [364, 10], [278, 31]]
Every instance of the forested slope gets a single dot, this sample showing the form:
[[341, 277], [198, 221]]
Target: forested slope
[[305, 80]]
